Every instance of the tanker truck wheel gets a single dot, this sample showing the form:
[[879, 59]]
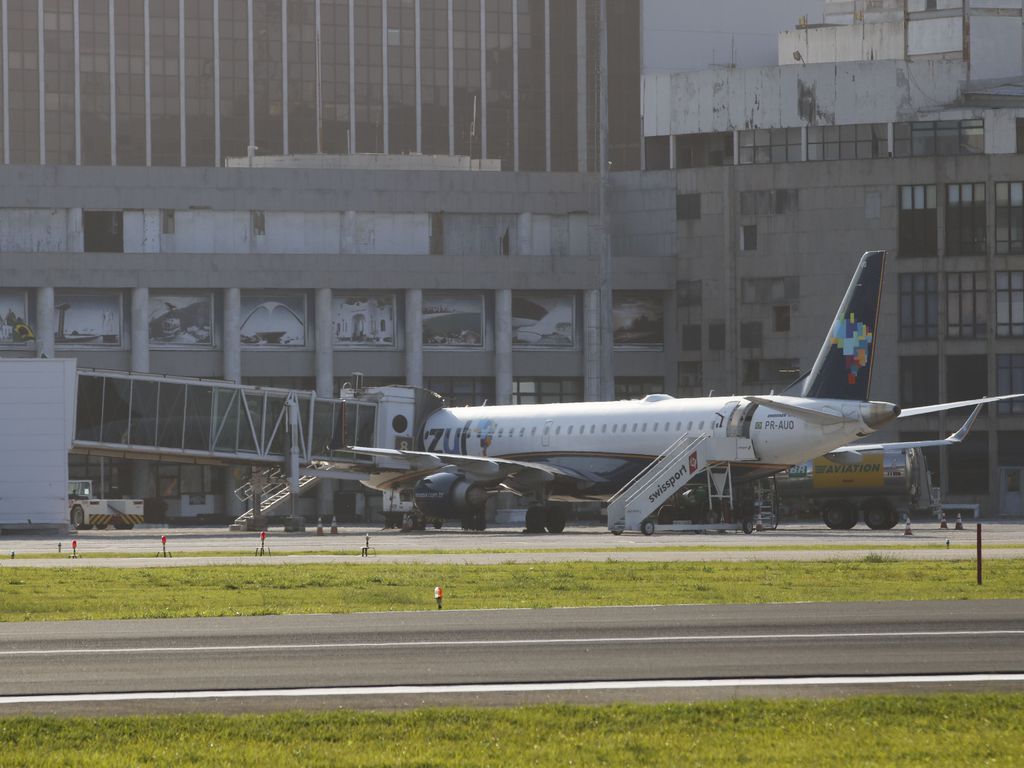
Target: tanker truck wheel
[[879, 517], [840, 517]]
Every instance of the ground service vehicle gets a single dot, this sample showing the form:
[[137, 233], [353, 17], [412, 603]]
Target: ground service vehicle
[[880, 488], [85, 511]]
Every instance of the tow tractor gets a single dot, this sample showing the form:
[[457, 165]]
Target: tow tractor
[[86, 511]]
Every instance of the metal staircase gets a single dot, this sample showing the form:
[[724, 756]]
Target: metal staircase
[[275, 489], [657, 483]]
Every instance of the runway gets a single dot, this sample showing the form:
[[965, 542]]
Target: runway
[[396, 660]]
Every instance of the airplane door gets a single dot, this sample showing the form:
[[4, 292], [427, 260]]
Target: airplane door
[[545, 438], [1011, 500], [721, 425]]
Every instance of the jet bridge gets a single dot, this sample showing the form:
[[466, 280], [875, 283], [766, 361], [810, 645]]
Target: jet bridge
[[291, 438]]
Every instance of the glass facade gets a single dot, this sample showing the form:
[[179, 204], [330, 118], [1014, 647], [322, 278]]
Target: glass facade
[[165, 96], [59, 81], [492, 79]]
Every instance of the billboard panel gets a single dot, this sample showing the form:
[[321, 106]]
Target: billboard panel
[[543, 320], [273, 320], [453, 320], [363, 320], [638, 319], [180, 319], [87, 319]]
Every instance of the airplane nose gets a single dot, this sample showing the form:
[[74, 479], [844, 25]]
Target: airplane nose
[[877, 415]]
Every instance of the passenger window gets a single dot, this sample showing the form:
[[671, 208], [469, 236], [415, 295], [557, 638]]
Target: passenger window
[[643, 428], [500, 432], [558, 430], [701, 425], [615, 428], [570, 430], [591, 429], [522, 431], [604, 428], [655, 429], [689, 426], [635, 425], [533, 431]]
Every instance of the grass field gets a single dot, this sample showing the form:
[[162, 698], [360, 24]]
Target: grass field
[[28, 594], [939, 730]]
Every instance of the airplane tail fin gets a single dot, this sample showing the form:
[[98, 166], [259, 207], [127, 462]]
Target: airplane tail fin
[[842, 370]]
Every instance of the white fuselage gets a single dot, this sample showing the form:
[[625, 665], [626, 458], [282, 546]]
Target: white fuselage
[[639, 428]]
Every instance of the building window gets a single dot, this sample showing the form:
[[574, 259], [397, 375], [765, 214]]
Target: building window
[[1009, 217], [750, 335], [771, 373], [939, 137], [700, 150], [966, 377], [764, 290], [780, 318], [656, 153], [690, 378], [919, 306], [688, 207], [765, 202], [544, 390], [966, 305], [748, 237], [1009, 303], [461, 390], [847, 142], [436, 234], [919, 380], [636, 388], [968, 473], [965, 220], [167, 222], [103, 231], [689, 337], [716, 337], [918, 222], [770, 145], [1010, 381], [259, 224]]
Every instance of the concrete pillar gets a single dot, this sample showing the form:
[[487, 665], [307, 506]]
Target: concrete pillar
[[44, 323], [324, 362], [140, 330], [503, 346], [414, 337], [232, 337], [592, 345]]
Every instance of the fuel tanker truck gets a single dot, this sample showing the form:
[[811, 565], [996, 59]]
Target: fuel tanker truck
[[879, 489]]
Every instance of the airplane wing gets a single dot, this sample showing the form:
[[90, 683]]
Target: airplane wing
[[906, 412], [478, 468], [849, 451]]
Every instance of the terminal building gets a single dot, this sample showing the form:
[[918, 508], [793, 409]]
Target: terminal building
[[285, 192]]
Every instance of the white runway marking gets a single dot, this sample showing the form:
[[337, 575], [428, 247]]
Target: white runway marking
[[521, 642], [421, 690]]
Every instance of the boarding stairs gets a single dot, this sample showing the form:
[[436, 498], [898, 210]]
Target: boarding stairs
[[657, 483], [274, 488]]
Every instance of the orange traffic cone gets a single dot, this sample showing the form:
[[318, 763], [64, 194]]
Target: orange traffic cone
[[334, 525], [319, 526], [959, 522], [942, 519], [907, 531]]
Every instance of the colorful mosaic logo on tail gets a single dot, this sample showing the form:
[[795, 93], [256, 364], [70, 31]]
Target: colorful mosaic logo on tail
[[853, 339]]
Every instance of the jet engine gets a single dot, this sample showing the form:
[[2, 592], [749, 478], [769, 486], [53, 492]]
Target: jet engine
[[444, 493]]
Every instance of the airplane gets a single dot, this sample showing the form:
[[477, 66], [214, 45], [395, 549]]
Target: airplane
[[591, 450]]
